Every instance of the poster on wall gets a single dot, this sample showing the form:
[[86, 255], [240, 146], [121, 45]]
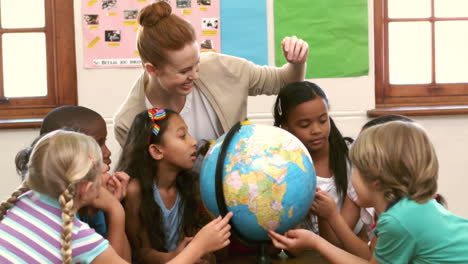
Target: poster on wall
[[110, 29], [337, 34], [248, 20]]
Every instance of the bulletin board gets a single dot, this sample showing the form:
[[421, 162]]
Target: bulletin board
[[110, 29]]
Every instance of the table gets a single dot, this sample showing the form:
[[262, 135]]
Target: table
[[306, 257]]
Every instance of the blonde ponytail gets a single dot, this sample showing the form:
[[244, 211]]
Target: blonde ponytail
[[59, 161], [12, 200], [68, 215]]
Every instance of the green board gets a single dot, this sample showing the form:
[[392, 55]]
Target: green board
[[336, 30]]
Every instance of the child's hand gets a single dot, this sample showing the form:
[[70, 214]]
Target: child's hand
[[324, 205], [214, 235], [117, 184], [105, 201], [182, 244], [295, 50], [293, 240]]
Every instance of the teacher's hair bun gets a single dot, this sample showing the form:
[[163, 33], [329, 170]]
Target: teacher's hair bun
[[150, 15]]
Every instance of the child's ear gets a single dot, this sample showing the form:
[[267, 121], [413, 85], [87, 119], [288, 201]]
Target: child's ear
[[156, 151], [83, 189], [376, 185], [151, 70]]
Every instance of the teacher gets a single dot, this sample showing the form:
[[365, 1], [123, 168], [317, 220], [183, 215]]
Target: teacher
[[209, 90]]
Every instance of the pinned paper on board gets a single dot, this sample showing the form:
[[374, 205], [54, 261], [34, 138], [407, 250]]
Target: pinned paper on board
[[110, 29]]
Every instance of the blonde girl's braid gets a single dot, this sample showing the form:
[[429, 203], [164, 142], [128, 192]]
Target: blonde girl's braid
[[68, 215], [12, 200]]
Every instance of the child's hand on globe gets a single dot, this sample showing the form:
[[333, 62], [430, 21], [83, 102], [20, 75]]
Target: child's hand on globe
[[214, 235], [293, 240]]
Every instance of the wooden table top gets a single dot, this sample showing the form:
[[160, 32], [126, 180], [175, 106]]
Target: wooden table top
[[309, 257]]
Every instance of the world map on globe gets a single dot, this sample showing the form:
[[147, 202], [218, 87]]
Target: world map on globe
[[268, 180]]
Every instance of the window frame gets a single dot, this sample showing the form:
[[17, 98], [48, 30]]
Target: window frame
[[421, 99], [61, 69]]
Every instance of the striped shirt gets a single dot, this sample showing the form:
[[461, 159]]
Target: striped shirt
[[30, 233]]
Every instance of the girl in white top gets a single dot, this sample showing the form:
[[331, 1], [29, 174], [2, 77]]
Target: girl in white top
[[327, 206], [302, 109]]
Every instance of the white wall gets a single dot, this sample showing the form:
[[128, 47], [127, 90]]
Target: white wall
[[104, 89]]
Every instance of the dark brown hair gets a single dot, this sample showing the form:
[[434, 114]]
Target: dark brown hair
[[139, 164], [297, 93], [67, 117]]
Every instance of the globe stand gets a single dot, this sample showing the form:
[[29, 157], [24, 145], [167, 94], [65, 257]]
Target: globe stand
[[263, 256]]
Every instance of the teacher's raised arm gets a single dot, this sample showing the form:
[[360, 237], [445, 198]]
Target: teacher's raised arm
[[295, 52], [208, 89]]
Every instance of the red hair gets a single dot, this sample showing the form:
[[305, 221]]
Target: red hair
[[161, 31]]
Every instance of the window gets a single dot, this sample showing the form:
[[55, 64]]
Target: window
[[421, 55], [37, 60]]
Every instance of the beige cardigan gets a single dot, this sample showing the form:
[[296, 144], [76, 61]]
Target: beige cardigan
[[226, 81]]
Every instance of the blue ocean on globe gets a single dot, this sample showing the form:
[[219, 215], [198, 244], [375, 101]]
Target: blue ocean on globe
[[268, 180]]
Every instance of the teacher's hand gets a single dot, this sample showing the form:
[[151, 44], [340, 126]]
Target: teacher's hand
[[295, 50]]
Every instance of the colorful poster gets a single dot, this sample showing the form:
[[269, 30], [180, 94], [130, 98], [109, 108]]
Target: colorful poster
[[110, 28], [336, 31], [248, 20]]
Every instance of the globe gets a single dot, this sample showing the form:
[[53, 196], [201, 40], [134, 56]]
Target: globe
[[264, 175]]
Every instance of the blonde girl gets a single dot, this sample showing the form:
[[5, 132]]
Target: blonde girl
[[396, 171], [38, 223]]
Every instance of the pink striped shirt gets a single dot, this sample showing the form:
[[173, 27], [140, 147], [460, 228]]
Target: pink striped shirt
[[30, 233]]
